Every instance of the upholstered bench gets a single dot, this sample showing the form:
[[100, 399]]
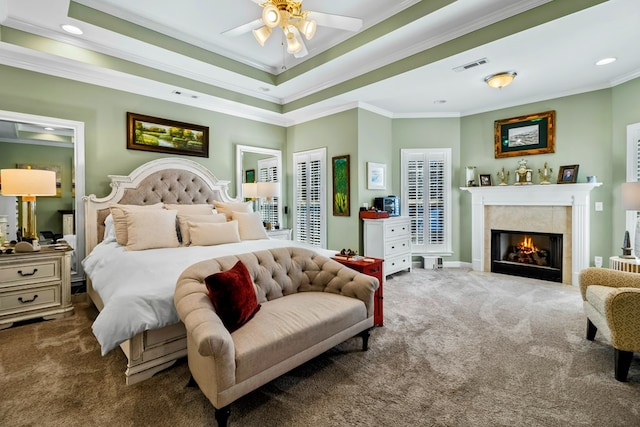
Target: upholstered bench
[[308, 303]]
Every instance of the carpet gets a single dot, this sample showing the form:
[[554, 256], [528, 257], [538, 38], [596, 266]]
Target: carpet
[[458, 348]]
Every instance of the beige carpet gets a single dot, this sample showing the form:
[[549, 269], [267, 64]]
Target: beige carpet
[[458, 348]]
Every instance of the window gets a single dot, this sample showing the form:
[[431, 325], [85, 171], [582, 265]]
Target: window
[[309, 188], [426, 198], [268, 172]]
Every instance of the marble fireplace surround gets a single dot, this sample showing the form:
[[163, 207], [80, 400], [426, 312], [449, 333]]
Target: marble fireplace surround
[[553, 208]]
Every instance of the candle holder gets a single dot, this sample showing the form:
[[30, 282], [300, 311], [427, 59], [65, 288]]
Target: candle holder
[[503, 177], [545, 174]]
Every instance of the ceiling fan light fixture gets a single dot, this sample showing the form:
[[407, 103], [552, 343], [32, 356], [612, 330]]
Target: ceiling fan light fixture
[[271, 16], [262, 34], [500, 80], [307, 27], [293, 44]]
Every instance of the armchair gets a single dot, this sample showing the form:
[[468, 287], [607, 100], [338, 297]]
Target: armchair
[[611, 302]]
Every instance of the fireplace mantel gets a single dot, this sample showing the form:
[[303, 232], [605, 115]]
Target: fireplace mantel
[[574, 195]]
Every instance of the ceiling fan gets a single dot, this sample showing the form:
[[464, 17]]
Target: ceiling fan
[[294, 22]]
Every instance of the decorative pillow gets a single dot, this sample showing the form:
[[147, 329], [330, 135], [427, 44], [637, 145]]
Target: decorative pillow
[[228, 208], [233, 296], [120, 221], [183, 223], [250, 226], [151, 229], [207, 234], [200, 209], [109, 230]]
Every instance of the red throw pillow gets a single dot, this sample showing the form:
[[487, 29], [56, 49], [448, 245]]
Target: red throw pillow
[[233, 296]]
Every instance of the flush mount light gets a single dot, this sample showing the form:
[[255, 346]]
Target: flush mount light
[[71, 29], [605, 61], [500, 80]]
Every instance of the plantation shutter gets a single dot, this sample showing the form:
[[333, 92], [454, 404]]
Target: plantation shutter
[[310, 197], [268, 172], [426, 194]]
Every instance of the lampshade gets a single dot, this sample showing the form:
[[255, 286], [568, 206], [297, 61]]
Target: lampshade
[[307, 27], [270, 16], [250, 190], [268, 189], [28, 182], [631, 196], [293, 44], [500, 80], [262, 34]]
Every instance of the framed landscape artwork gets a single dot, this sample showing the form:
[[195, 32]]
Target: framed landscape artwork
[[341, 200], [166, 136], [525, 135]]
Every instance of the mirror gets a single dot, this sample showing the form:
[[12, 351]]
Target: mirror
[[55, 144], [256, 164]]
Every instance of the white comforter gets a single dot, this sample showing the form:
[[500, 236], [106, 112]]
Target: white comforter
[[137, 287]]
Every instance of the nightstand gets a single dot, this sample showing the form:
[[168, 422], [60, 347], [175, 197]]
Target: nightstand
[[371, 269], [280, 234], [35, 284]]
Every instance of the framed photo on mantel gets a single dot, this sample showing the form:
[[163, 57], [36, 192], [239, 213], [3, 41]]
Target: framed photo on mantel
[[525, 135]]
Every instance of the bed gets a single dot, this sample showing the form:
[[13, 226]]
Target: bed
[[135, 288]]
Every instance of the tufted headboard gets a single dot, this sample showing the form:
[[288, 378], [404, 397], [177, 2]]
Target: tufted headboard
[[167, 180]]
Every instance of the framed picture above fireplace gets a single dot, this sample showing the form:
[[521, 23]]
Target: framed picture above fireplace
[[525, 135], [568, 174]]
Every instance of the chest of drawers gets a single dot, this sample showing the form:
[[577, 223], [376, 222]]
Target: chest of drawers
[[389, 239], [35, 284]]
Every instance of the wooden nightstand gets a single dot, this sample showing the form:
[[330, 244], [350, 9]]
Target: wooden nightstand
[[35, 284], [372, 269]]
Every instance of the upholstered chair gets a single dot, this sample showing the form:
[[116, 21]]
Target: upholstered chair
[[612, 305]]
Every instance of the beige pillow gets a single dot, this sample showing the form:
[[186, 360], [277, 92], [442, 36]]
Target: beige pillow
[[250, 226], [151, 229], [183, 223], [200, 209], [120, 222], [207, 234], [228, 208]]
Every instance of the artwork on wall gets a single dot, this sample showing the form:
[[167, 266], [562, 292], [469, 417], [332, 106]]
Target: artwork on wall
[[341, 202], [250, 175], [376, 176], [525, 135], [166, 136], [54, 168], [568, 174]]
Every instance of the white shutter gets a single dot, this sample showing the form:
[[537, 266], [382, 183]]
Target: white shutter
[[310, 197], [426, 187], [268, 172]]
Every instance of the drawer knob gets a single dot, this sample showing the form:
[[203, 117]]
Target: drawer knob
[[27, 274], [25, 301]]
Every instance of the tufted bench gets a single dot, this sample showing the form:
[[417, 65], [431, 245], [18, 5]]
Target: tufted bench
[[309, 304]]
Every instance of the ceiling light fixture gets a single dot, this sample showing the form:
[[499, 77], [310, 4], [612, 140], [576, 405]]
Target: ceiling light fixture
[[72, 29], [500, 80], [289, 16], [605, 61]]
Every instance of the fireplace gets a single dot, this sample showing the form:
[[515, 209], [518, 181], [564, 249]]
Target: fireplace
[[527, 254]]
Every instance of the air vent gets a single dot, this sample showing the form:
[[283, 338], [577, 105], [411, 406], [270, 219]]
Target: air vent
[[185, 94], [471, 65]]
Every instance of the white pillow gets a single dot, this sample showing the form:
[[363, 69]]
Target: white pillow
[[207, 234], [228, 208], [250, 226], [200, 209], [109, 230], [151, 229], [183, 221], [120, 221]]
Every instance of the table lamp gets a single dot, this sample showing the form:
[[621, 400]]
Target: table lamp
[[631, 202], [269, 190], [28, 183], [250, 191]]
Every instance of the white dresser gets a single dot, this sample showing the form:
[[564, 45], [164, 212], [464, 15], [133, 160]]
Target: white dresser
[[389, 239], [35, 284]]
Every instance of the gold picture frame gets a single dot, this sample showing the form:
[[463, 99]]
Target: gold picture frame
[[525, 135]]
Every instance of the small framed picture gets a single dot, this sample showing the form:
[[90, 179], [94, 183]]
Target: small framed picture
[[568, 174], [250, 175], [485, 180], [376, 176]]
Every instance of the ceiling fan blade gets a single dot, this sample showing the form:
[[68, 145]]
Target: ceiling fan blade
[[242, 29], [336, 21]]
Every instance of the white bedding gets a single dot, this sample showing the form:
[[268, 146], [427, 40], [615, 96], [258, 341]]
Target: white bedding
[[137, 287]]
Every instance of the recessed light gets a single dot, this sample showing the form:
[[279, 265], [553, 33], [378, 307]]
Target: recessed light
[[605, 61], [71, 29]]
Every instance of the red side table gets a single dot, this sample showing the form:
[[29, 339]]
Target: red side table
[[371, 269]]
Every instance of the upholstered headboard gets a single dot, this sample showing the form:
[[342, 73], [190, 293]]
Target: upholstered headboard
[[167, 180]]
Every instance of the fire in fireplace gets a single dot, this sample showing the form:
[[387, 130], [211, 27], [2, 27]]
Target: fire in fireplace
[[527, 254]]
